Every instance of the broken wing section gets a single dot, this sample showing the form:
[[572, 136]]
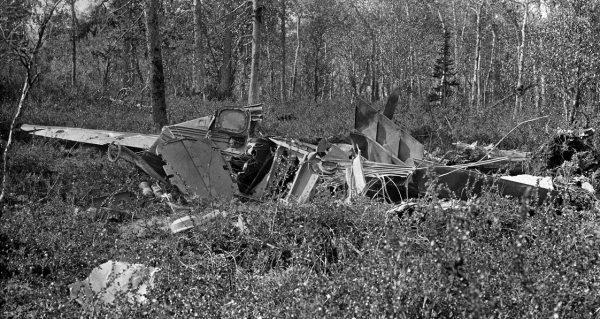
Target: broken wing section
[[89, 136]]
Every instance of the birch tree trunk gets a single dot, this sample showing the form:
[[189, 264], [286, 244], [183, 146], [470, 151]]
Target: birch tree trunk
[[490, 67], [24, 93], [458, 44], [270, 62], [29, 58], [73, 46], [253, 86], [226, 76], [521, 52], [198, 72], [296, 56], [475, 99], [157, 77], [283, 53]]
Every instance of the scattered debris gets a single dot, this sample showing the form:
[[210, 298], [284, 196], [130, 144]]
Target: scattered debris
[[146, 190], [114, 207], [573, 161], [111, 279], [487, 159], [403, 209], [219, 156], [143, 228], [189, 222], [178, 209], [116, 199]]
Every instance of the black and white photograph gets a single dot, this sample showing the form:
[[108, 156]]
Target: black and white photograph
[[299, 159]]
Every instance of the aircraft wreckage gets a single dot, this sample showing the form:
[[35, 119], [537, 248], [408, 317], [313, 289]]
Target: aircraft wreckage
[[222, 156]]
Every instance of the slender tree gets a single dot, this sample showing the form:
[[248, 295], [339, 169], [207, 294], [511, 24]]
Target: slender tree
[[256, 22], [283, 52], [226, 70], [521, 60], [28, 56], [296, 57], [73, 45], [157, 77], [198, 70], [475, 99]]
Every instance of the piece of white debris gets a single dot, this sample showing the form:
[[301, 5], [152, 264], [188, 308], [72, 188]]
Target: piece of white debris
[[588, 187], [113, 278], [543, 182]]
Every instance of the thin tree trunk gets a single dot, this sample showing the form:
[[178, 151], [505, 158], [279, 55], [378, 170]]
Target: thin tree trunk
[[411, 64], [105, 77], [157, 77], [271, 73], [490, 66], [565, 106], [475, 83], [282, 92], [325, 77], [316, 71], [455, 22], [296, 56], [460, 69], [374, 72], [226, 80], [24, 94], [128, 52], [543, 90], [198, 72], [136, 63], [253, 87], [30, 63], [521, 52], [73, 46]]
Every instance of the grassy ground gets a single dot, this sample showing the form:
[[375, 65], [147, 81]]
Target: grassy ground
[[490, 258]]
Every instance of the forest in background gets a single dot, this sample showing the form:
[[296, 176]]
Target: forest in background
[[507, 60]]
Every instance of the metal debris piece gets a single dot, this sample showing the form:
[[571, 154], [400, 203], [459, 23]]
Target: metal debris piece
[[146, 161], [190, 221], [197, 168], [388, 134], [487, 159], [543, 182], [465, 184], [146, 190], [358, 175], [112, 278], [304, 182], [373, 151], [402, 208]]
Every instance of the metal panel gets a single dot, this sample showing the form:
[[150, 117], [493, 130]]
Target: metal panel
[[197, 168], [304, 183]]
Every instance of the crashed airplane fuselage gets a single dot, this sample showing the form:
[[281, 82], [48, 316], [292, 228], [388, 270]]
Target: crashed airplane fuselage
[[222, 156]]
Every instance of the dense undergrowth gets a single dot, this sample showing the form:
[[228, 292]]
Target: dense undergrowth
[[491, 257]]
